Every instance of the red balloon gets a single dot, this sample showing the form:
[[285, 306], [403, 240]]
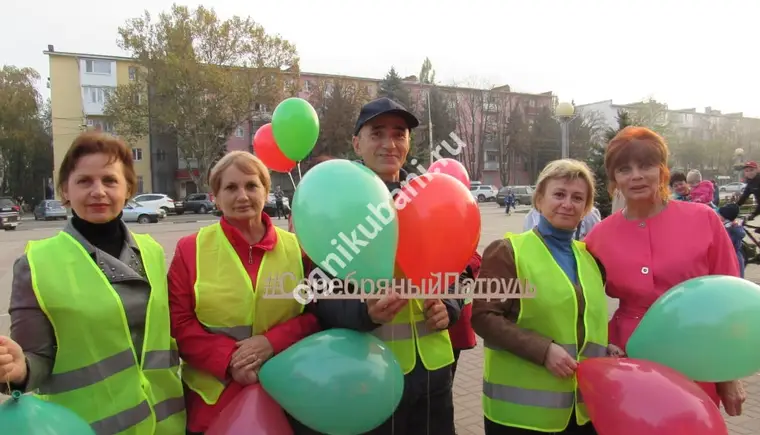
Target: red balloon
[[634, 397], [453, 168], [252, 411], [439, 229], [267, 150]]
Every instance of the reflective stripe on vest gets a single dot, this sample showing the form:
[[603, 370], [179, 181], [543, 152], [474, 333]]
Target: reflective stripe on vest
[[519, 393], [408, 333], [226, 302], [95, 373]]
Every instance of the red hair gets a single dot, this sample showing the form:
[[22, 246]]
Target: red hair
[[640, 145]]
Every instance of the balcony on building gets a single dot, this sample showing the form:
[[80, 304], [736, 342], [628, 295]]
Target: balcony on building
[[98, 80]]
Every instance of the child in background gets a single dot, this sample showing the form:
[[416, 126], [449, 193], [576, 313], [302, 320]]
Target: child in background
[[702, 191], [729, 213]]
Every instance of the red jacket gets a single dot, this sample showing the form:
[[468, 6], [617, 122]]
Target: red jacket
[[462, 335], [212, 352]]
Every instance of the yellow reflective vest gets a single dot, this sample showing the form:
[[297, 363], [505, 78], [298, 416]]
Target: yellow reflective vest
[[519, 393], [227, 302], [408, 334], [96, 373]]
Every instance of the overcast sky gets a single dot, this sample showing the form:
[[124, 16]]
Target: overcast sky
[[693, 53]]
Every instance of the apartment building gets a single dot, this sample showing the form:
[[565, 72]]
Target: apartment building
[[80, 84], [79, 88]]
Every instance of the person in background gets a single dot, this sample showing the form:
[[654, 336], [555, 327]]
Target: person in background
[[716, 195], [224, 326], [702, 191], [655, 243], [587, 223], [509, 201], [279, 204], [529, 384], [89, 306], [736, 232], [679, 186], [751, 189]]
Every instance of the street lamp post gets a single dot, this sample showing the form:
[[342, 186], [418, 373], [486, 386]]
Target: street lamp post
[[738, 163], [564, 113]]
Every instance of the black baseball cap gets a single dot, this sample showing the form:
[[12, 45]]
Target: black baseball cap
[[382, 106]]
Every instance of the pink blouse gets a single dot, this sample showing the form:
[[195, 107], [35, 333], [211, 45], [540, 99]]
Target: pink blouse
[[644, 259]]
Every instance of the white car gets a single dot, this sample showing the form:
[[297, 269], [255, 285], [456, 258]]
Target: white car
[[732, 187], [135, 212], [156, 201], [483, 192]]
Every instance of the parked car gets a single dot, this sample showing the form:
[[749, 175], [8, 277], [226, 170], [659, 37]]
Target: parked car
[[10, 214], [523, 195], [50, 209], [735, 187], [200, 203], [136, 212], [483, 192], [159, 200]]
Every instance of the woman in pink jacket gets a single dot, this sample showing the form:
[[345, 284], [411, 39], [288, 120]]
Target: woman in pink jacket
[[653, 244]]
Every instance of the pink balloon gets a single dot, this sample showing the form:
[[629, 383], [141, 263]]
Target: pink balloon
[[252, 411], [634, 397], [453, 168]]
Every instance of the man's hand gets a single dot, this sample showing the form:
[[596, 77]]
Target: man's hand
[[251, 353], [436, 314], [12, 362], [383, 310]]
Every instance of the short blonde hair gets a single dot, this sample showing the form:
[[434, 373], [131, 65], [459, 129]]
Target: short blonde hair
[[565, 169], [694, 177], [243, 160]]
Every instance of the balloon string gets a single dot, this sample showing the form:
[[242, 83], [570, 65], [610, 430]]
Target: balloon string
[[298, 165], [292, 180], [15, 394]]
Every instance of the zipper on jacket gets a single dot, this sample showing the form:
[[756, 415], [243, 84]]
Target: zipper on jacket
[[250, 254]]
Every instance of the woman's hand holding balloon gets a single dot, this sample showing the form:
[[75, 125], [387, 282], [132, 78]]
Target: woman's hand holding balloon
[[732, 395], [559, 362]]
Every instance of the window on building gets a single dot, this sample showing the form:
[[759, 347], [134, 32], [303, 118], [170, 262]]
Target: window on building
[[139, 182], [97, 66], [307, 86], [531, 103], [132, 73], [239, 132], [137, 154]]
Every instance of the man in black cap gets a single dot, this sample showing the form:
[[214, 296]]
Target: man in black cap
[[415, 330]]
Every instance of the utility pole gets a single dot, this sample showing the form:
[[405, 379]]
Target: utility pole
[[430, 128]]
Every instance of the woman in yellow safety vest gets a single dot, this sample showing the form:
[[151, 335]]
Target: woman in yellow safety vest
[[533, 345], [89, 306], [225, 325]]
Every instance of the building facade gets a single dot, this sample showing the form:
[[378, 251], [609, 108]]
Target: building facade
[[81, 83], [79, 88]]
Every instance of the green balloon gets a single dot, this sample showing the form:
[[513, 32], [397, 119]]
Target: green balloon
[[28, 415], [337, 382], [706, 328], [295, 126], [346, 222]]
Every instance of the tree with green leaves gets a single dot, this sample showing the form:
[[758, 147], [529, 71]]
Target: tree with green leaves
[[199, 78], [26, 152], [603, 199], [437, 109], [392, 86], [337, 102]]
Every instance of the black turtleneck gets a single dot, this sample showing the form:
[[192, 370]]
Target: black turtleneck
[[108, 237]]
